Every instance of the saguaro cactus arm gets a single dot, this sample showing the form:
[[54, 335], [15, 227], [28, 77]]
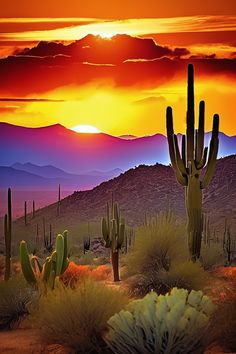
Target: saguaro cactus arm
[[202, 163], [176, 161], [200, 133], [214, 144], [190, 114]]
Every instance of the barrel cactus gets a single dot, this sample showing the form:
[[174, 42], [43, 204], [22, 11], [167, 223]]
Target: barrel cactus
[[53, 266], [190, 162], [174, 323]]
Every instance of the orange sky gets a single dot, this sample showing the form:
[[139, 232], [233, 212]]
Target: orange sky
[[116, 9], [118, 84]]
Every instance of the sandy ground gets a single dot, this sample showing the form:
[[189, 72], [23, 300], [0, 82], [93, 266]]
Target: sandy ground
[[26, 341]]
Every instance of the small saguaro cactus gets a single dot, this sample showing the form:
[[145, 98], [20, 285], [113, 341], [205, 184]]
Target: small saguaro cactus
[[188, 164], [59, 200], [8, 234], [53, 266], [113, 231], [47, 240], [33, 209], [228, 245], [87, 241], [25, 212], [86, 244]]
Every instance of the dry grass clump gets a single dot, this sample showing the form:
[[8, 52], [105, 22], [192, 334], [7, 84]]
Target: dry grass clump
[[212, 256], [187, 275], [78, 317], [157, 245], [159, 259], [15, 296]]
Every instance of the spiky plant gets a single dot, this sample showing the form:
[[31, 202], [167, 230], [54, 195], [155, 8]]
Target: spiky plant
[[113, 231], [53, 266], [189, 164], [8, 235]]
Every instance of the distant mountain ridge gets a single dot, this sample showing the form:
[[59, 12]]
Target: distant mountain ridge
[[145, 189], [77, 153], [50, 171], [29, 176]]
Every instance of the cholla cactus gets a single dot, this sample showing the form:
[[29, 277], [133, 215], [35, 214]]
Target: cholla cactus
[[174, 323], [113, 231], [53, 266]]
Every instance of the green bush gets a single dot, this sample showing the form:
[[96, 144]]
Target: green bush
[[176, 323], [157, 246], [15, 296], [77, 317]]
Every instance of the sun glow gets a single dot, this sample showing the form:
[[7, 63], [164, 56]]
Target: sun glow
[[85, 129]]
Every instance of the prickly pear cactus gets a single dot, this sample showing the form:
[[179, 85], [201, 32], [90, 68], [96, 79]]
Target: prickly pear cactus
[[175, 324]]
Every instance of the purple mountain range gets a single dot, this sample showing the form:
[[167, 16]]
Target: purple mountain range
[[79, 153]]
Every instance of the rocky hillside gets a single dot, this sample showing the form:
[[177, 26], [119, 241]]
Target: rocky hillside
[[147, 189]]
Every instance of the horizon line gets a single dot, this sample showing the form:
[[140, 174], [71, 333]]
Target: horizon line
[[103, 133]]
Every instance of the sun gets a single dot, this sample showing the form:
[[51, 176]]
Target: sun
[[107, 35], [90, 129]]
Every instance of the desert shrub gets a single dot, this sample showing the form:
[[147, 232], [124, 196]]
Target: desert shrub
[[15, 266], [76, 273], [77, 317], [187, 275], [212, 255], [157, 245], [175, 323], [15, 296], [102, 272]]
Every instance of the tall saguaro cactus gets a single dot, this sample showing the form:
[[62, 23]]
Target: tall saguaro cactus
[[188, 164], [7, 234], [113, 231]]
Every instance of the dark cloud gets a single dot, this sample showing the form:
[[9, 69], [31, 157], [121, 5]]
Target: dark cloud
[[35, 71], [98, 50], [203, 56]]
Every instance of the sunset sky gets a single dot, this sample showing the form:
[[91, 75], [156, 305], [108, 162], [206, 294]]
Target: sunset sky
[[116, 65]]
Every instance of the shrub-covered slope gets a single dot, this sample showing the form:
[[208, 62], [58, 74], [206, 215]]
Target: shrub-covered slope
[[147, 189]]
